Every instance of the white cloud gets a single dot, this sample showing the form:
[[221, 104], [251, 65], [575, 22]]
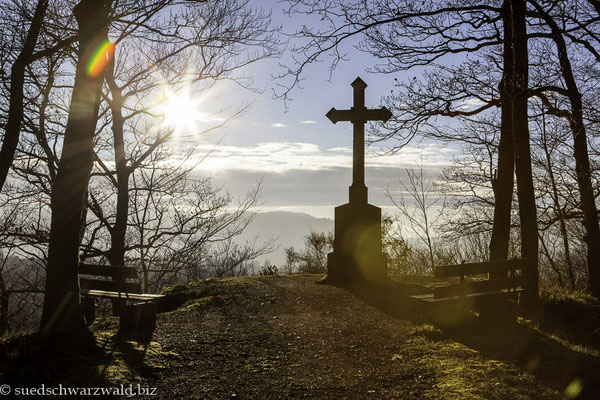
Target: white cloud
[[305, 177], [432, 155], [278, 125], [471, 103], [268, 157], [278, 157], [340, 150], [308, 122]]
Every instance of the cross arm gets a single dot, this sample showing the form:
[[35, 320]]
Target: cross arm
[[378, 114], [339, 115], [360, 115]]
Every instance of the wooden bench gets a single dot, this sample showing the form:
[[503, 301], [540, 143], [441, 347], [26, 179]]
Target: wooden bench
[[496, 298], [136, 309]]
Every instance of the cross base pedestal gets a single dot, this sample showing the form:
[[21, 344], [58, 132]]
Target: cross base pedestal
[[357, 254], [347, 269]]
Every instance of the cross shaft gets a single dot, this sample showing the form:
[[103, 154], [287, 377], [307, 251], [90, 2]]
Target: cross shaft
[[358, 115]]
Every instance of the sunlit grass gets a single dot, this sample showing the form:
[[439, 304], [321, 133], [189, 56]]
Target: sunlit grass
[[463, 373]]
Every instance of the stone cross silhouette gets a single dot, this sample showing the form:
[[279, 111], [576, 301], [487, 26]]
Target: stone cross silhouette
[[358, 114]]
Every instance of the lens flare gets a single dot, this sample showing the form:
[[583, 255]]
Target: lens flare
[[100, 59], [181, 110]]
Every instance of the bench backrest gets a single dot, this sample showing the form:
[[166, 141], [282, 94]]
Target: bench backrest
[[498, 267], [119, 274]]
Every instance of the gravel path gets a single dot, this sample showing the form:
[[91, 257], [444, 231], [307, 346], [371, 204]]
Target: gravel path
[[288, 337]]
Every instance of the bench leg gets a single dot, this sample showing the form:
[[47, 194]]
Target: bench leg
[[117, 306], [89, 310], [138, 319]]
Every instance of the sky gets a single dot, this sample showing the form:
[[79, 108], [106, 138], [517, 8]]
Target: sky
[[303, 160]]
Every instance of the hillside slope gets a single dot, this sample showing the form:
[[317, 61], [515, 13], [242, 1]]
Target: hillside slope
[[289, 337]]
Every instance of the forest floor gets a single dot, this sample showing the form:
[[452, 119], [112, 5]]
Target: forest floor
[[289, 337]]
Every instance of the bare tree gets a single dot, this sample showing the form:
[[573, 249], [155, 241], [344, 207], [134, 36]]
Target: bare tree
[[422, 210], [204, 48], [503, 179], [520, 128], [175, 219], [313, 258], [150, 43], [550, 143], [219, 38], [580, 149], [17, 81], [404, 35], [62, 311]]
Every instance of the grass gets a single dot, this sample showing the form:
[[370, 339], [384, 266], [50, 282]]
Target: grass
[[196, 293], [463, 373], [105, 360], [573, 316]]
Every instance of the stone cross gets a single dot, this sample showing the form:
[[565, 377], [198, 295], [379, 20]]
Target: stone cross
[[358, 114]]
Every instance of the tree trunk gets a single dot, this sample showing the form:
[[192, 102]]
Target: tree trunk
[[580, 152], [17, 81], [525, 190], [62, 311], [117, 250], [503, 181], [4, 298], [117, 234]]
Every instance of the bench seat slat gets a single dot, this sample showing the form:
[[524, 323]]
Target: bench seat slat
[[110, 286], [120, 295], [477, 286], [108, 270], [446, 271], [475, 301]]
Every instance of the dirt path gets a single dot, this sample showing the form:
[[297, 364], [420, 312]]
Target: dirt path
[[287, 337]]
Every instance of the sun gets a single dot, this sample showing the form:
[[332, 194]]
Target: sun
[[181, 111]]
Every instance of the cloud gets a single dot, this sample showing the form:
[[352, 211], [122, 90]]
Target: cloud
[[340, 150], [278, 157], [305, 176], [308, 122], [269, 157], [278, 125], [471, 103], [314, 189], [431, 156]]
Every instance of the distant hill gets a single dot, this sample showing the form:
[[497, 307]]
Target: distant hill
[[288, 227]]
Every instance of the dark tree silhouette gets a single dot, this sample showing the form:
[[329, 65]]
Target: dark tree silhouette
[[407, 34], [580, 149], [198, 43], [216, 33], [503, 181], [62, 311], [17, 81], [520, 127]]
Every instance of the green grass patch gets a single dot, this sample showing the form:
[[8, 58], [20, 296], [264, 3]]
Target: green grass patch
[[571, 315], [460, 372], [100, 360], [576, 299]]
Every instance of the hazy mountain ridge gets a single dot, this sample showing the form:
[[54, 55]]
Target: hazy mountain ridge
[[288, 228]]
